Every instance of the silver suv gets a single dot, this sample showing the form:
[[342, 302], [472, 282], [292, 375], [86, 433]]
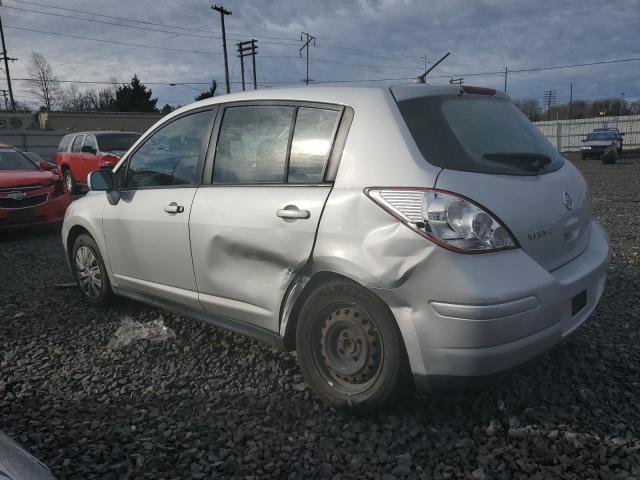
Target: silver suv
[[391, 236]]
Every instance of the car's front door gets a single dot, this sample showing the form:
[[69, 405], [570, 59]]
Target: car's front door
[[253, 226], [89, 158], [147, 230]]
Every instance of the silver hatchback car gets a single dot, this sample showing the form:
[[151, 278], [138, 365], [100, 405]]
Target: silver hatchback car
[[391, 236]]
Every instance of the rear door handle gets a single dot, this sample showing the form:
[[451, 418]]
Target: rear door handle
[[292, 212], [173, 207]]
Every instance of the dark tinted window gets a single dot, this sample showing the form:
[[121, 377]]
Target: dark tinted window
[[116, 142], [77, 143], [12, 160], [476, 133], [602, 136], [172, 154], [252, 144], [311, 145]]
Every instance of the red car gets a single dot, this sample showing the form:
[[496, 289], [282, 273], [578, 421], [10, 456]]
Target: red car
[[81, 153], [29, 192]]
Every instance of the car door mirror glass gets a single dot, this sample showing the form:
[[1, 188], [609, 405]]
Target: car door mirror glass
[[102, 181]]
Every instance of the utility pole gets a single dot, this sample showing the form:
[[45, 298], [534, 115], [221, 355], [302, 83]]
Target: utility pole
[[244, 49], [506, 72], [549, 99], [6, 65], [621, 103], [224, 12], [425, 61], [6, 99], [306, 45], [571, 101]]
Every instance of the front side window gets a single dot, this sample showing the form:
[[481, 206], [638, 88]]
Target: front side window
[[311, 145], [172, 155], [77, 144], [90, 141], [252, 144]]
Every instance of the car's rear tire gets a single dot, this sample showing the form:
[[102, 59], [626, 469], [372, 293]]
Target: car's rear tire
[[69, 182], [90, 272], [349, 347]]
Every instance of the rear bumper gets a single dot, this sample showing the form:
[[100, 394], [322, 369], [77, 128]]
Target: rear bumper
[[494, 311]]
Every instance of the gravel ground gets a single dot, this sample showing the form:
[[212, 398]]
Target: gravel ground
[[211, 404]]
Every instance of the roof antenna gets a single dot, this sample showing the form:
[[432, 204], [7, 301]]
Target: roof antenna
[[422, 78]]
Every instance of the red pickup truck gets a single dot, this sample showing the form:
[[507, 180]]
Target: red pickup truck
[[81, 153]]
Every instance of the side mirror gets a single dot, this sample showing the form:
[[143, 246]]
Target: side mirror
[[88, 149], [583, 140], [48, 166], [102, 181], [622, 134]]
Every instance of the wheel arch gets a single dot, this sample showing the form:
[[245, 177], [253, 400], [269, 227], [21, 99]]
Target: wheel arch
[[290, 314]]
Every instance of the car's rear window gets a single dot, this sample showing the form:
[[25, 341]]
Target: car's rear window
[[116, 142], [478, 133]]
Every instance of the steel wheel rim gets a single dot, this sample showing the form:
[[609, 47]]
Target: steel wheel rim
[[88, 272], [68, 180], [347, 348]]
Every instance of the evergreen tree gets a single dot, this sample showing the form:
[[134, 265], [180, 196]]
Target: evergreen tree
[[209, 93], [135, 98]]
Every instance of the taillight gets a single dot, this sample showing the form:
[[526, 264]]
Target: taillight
[[58, 188], [446, 218]]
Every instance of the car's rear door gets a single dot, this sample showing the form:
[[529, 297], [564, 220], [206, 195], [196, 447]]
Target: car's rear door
[[253, 226], [147, 230]]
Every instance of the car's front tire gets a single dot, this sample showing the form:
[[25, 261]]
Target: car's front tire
[[349, 347], [69, 182], [90, 272]]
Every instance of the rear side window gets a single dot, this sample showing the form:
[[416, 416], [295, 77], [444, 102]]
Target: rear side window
[[252, 144], [311, 144], [256, 144], [477, 133], [171, 155], [77, 143]]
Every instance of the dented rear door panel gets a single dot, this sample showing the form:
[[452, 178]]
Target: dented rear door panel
[[244, 254]]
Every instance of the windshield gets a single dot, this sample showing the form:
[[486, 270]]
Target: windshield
[[111, 142], [478, 133], [12, 160], [599, 136]]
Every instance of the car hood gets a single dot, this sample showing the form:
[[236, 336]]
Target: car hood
[[599, 143], [18, 464], [25, 178]]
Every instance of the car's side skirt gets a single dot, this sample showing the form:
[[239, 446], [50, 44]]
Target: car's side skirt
[[236, 326]]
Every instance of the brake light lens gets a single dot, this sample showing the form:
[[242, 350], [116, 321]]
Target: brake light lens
[[446, 218]]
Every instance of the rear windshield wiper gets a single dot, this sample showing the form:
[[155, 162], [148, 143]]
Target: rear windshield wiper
[[532, 162]]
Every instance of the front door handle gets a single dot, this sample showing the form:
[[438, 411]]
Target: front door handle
[[173, 207], [292, 212]]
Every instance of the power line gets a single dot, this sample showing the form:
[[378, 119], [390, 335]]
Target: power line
[[145, 22], [116, 42]]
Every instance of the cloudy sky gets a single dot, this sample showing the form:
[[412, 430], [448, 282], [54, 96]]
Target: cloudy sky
[[355, 40]]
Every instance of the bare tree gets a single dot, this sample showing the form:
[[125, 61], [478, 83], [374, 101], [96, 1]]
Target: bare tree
[[42, 84]]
